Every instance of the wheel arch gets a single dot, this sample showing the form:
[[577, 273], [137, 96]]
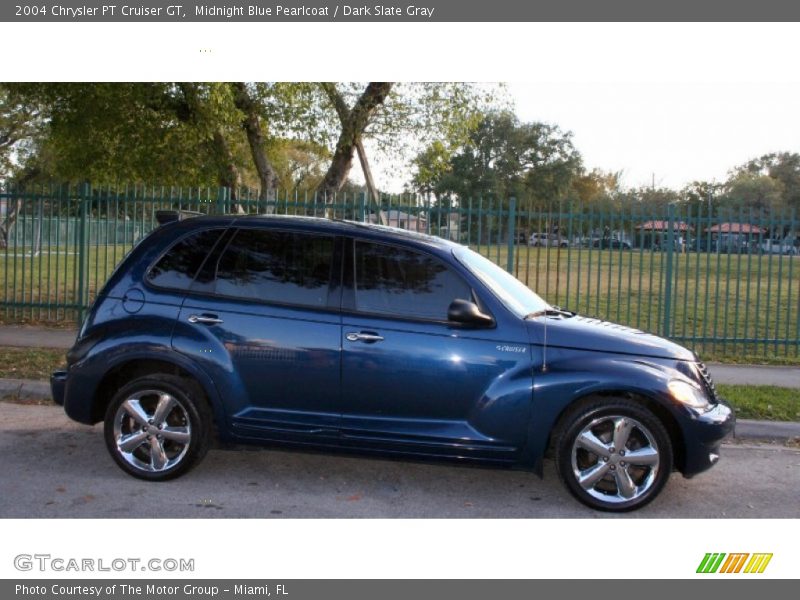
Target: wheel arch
[[666, 418], [133, 367]]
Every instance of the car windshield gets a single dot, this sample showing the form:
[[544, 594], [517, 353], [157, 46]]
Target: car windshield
[[517, 297]]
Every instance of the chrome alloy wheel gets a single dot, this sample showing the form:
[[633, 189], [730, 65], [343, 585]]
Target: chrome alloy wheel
[[615, 459], [152, 430]]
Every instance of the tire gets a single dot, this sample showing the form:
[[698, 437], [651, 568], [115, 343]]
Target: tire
[[158, 426], [612, 481]]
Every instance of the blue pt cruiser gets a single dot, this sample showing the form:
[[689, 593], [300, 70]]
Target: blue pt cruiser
[[332, 334]]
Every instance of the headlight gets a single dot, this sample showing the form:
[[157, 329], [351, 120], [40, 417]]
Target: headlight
[[687, 394]]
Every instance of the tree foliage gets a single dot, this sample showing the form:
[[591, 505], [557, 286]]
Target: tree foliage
[[459, 139], [502, 157]]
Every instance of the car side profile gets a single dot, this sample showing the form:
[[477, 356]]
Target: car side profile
[[331, 334]]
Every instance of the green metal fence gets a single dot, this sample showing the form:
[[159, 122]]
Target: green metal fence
[[724, 282]]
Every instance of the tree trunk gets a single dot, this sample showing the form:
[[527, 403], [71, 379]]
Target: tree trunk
[[229, 176], [267, 176], [354, 121], [8, 222], [12, 212], [372, 189]]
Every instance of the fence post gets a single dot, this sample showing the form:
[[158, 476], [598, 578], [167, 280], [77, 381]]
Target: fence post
[[668, 270], [221, 200], [362, 210], [512, 219], [82, 253]]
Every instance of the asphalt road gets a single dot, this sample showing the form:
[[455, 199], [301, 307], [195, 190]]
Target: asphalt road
[[52, 467]]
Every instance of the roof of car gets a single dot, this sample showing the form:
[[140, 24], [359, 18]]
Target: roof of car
[[339, 226]]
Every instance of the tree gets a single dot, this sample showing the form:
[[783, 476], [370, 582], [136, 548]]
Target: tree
[[300, 165], [783, 168], [702, 194], [353, 123], [111, 132], [654, 200], [431, 168], [19, 125], [409, 117], [229, 134], [597, 188], [502, 157], [20, 129], [761, 193]]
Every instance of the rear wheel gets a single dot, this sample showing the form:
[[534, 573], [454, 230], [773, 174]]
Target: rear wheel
[[158, 426], [613, 455]]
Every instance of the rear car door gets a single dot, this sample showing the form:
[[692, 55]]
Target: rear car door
[[262, 316], [415, 382]]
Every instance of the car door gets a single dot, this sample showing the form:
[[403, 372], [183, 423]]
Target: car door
[[263, 318], [413, 381]]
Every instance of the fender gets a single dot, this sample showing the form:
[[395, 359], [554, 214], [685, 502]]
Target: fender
[[105, 356], [572, 375]]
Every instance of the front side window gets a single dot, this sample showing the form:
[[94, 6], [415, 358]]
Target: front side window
[[177, 268], [399, 282], [276, 267], [516, 296]]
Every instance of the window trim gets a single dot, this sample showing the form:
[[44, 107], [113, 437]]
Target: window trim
[[349, 306], [332, 303], [165, 288]]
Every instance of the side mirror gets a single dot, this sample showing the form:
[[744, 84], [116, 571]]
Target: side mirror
[[467, 313]]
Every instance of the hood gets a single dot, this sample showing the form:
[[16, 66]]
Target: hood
[[603, 336]]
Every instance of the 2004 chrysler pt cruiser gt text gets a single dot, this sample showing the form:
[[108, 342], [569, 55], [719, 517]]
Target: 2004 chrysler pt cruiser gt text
[[333, 334]]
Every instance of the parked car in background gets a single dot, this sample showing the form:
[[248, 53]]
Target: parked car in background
[[547, 240], [787, 246], [341, 335], [612, 244]]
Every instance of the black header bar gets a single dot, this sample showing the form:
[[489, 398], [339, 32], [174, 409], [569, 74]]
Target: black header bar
[[402, 11]]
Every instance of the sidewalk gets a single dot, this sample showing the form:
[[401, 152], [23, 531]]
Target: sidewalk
[[786, 377], [789, 377], [26, 336]]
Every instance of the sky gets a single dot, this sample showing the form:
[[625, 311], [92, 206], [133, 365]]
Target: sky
[[675, 132], [669, 134]]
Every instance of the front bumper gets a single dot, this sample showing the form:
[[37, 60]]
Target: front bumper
[[703, 436]]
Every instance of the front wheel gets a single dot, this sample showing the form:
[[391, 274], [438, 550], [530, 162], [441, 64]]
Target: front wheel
[[613, 455], [158, 426]]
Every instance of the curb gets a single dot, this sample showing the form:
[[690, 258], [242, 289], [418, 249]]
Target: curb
[[766, 430], [32, 389], [779, 376], [29, 389]]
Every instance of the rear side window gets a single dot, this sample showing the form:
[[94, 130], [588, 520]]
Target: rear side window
[[276, 266], [178, 266], [400, 282]]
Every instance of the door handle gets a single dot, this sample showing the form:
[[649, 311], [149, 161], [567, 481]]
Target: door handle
[[368, 338], [204, 319]]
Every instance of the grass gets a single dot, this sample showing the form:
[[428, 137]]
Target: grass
[[729, 308], [30, 363], [763, 402], [50, 280]]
